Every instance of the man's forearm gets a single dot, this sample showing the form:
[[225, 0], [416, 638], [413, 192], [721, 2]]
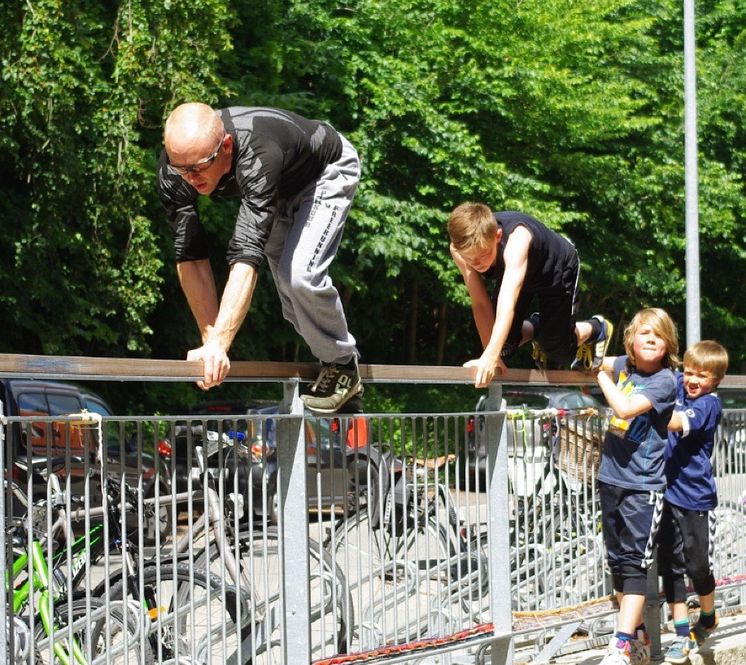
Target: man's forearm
[[198, 283], [234, 304]]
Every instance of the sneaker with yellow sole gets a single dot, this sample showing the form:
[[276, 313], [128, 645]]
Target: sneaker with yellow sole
[[590, 355]]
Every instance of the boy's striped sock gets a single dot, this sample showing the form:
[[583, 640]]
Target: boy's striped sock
[[682, 628]]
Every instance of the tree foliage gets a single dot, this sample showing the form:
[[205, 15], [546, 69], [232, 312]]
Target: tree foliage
[[571, 111]]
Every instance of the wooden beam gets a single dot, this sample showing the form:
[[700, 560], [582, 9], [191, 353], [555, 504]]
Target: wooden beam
[[144, 369]]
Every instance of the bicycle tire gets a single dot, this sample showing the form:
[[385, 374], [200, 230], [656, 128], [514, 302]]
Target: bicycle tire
[[258, 552], [396, 578], [98, 638], [192, 614], [730, 533]]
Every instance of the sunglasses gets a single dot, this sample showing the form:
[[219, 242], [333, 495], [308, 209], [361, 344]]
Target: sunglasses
[[201, 165]]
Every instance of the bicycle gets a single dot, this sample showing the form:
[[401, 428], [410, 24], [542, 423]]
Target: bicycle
[[57, 627], [239, 573], [555, 526], [141, 588], [413, 568]]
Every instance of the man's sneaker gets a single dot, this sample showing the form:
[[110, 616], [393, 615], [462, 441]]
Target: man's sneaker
[[590, 355], [640, 649], [679, 650], [618, 653], [699, 633], [334, 386]]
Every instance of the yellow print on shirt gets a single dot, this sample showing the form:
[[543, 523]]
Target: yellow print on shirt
[[619, 426]]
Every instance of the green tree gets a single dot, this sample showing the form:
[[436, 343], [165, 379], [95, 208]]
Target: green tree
[[570, 111]]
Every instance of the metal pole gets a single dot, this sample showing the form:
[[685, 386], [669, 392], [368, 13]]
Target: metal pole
[[291, 478], [691, 177], [8, 639], [498, 536]]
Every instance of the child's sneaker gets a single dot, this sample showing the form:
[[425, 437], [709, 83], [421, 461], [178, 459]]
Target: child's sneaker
[[583, 359], [679, 650], [591, 354], [540, 358], [698, 634], [618, 653], [640, 649], [335, 385]]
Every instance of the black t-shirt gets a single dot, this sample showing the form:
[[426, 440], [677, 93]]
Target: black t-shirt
[[551, 257], [276, 154]]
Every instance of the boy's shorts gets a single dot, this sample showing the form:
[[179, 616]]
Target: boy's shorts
[[630, 520], [686, 542], [557, 308]]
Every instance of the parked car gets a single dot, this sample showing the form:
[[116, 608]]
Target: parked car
[[336, 447], [533, 437], [31, 397]]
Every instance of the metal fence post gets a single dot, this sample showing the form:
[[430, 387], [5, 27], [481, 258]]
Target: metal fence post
[[7, 629], [291, 481], [652, 614], [501, 647]]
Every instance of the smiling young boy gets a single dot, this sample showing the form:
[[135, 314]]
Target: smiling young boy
[[687, 525], [528, 261]]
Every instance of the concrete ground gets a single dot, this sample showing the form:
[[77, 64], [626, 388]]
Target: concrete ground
[[726, 647]]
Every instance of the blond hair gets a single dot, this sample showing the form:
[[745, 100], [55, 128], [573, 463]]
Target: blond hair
[[708, 355], [663, 326], [471, 226]]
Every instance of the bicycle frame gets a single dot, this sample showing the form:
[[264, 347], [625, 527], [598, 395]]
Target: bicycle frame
[[40, 580]]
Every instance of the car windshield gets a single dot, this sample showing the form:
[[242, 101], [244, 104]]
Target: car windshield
[[528, 400]]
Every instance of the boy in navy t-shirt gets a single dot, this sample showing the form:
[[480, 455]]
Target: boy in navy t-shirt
[[640, 388], [685, 538]]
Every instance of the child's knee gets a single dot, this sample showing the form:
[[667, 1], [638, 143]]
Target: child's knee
[[674, 588], [704, 584]]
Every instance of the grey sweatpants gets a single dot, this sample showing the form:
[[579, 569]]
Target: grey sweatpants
[[301, 246]]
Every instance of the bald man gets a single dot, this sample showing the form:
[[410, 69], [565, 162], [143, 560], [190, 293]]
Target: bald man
[[295, 179]]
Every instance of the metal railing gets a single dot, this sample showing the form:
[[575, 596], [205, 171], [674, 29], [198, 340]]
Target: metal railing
[[278, 536]]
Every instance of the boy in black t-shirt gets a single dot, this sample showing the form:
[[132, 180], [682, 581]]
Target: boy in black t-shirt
[[528, 260]]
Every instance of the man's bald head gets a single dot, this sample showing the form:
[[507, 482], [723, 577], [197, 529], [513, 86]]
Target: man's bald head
[[197, 146], [191, 127]]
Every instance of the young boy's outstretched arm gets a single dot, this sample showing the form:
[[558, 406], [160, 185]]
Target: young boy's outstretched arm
[[676, 424], [515, 258], [481, 303]]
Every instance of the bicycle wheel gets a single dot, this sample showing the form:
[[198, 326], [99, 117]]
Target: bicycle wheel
[[399, 579], [258, 557], [193, 616], [97, 633], [156, 519], [730, 533]]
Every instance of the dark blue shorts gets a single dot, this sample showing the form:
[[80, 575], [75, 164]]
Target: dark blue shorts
[[630, 524]]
